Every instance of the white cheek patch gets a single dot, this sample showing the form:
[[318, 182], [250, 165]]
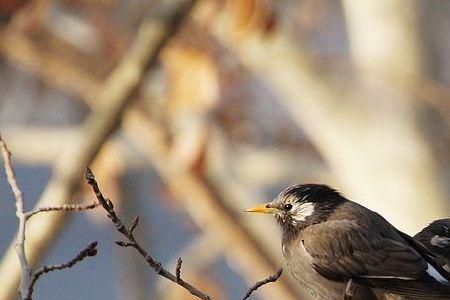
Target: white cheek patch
[[301, 211]]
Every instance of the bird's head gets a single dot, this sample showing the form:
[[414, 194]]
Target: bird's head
[[299, 206]]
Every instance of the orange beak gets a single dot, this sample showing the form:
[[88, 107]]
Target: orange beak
[[264, 208]]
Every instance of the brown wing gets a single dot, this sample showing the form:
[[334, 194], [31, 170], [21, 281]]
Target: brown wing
[[343, 249]]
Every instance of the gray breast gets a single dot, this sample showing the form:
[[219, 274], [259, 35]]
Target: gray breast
[[299, 263]]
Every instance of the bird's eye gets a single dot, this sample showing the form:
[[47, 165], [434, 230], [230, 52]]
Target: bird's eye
[[287, 206]]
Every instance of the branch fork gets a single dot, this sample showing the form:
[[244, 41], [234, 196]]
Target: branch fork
[[151, 261], [30, 277]]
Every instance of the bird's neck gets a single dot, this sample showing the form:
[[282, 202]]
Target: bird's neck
[[291, 232]]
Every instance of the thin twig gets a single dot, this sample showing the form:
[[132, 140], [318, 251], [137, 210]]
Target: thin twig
[[28, 278], [134, 224], [152, 262], [88, 251], [195, 192], [64, 207], [259, 284], [18, 195], [178, 269]]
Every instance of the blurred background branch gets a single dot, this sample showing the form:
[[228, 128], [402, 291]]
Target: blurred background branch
[[115, 94], [190, 126], [348, 122]]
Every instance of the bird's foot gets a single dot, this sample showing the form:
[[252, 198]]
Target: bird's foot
[[349, 291]]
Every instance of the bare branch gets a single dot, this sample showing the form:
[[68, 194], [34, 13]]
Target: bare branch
[[124, 244], [64, 207], [178, 269], [10, 175], [18, 195], [134, 224], [152, 262], [195, 193], [90, 250], [271, 278], [28, 278]]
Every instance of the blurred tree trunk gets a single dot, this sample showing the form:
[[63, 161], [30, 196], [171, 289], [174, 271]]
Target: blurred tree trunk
[[388, 57], [367, 132]]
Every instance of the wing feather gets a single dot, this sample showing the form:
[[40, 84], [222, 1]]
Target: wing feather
[[341, 250]]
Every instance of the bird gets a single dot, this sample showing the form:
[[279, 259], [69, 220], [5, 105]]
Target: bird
[[338, 249], [436, 237]]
